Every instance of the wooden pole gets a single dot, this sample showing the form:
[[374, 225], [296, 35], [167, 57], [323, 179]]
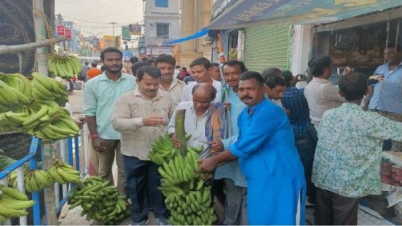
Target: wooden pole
[[18, 48], [49, 193]]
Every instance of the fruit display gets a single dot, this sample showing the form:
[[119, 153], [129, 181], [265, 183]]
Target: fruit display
[[64, 66], [45, 88], [99, 201], [13, 203], [18, 82], [12, 91], [186, 196], [34, 180], [63, 173]]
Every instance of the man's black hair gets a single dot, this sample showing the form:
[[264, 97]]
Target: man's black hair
[[149, 70], [214, 64], [271, 71], [136, 66], [288, 77], [353, 86], [164, 58], [150, 61], [252, 75], [318, 64], [201, 61], [274, 81], [134, 59], [213, 90], [397, 47], [144, 59], [177, 67], [232, 63], [94, 63], [110, 50]]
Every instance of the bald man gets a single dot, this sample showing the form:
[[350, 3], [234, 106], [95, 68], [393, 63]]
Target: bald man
[[204, 120]]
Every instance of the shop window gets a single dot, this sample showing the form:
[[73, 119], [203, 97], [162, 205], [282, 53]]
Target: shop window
[[162, 30], [162, 3]]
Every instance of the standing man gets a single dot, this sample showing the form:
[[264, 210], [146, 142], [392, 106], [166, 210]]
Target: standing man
[[85, 68], [141, 116], [201, 71], [94, 71], [165, 63], [387, 99], [273, 72], [177, 71], [100, 94], [299, 116], [216, 71], [235, 184], [348, 155], [267, 157], [275, 86]]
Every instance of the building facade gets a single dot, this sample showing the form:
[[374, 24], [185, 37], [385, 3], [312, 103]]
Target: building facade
[[161, 23]]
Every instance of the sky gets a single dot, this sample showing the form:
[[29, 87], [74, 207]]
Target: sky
[[93, 17]]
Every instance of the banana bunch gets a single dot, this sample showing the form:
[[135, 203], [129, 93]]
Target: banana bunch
[[34, 180], [180, 170], [51, 123], [10, 121], [187, 199], [11, 99], [193, 208], [18, 82], [63, 173], [162, 150], [13, 203], [64, 66], [99, 201], [45, 88]]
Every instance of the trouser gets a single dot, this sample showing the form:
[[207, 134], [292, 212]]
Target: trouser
[[306, 148], [396, 146], [235, 204], [101, 164], [142, 179], [334, 209]]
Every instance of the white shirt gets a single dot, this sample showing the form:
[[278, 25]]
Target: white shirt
[[321, 96], [176, 73], [187, 94], [301, 84], [194, 125]]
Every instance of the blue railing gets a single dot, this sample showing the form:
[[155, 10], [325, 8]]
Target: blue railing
[[73, 149]]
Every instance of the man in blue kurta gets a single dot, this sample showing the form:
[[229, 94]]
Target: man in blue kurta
[[268, 158]]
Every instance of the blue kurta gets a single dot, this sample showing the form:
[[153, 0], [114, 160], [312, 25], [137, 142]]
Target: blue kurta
[[269, 160]]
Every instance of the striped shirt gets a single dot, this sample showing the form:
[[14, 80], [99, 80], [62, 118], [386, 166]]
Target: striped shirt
[[294, 100]]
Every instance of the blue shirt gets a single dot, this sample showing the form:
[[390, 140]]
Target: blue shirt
[[269, 160], [293, 99], [100, 95], [232, 170], [387, 95]]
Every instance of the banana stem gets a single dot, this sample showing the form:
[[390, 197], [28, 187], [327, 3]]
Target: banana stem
[[180, 132]]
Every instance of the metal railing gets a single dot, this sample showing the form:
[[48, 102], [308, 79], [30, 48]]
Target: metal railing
[[72, 151]]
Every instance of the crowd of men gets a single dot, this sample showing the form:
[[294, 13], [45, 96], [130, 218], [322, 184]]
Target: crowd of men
[[269, 143]]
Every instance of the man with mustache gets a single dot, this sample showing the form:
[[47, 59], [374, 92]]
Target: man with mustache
[[166, 64], [201, 71], [100, 94], [141, 116], [268, 158], [235, 184]]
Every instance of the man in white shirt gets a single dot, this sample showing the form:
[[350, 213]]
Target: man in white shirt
[[201, 71]]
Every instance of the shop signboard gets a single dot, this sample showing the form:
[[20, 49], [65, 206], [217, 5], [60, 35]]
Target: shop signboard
[[125, 33], [68, 33], [60, 29], [135, 29]]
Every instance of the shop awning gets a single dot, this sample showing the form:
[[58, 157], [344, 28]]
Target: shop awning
[[245, 13], [194, 36]]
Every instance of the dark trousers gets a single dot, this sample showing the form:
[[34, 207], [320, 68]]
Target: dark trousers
[[334, 209], [143, 178], [306, 147]]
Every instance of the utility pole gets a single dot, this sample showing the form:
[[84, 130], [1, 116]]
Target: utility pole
[[113, 23]]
